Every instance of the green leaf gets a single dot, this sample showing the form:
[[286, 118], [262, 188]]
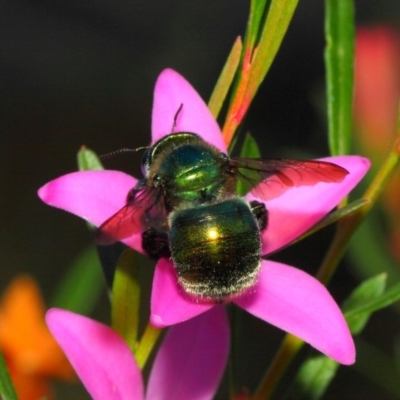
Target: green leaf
[[257, 12], [331, 218], [249, 149], [314, 377], [268, 23], [340, 213], [339, 62], [82, 285], [7, 391], [126, 298], [225, 79], [370, 305], [279, 15], [88, 160], [367, 291]]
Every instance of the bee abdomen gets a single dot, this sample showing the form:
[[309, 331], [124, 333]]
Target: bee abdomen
[[216, 248]]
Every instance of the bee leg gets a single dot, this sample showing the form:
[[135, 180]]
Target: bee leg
[[260, 214], [155, 243]]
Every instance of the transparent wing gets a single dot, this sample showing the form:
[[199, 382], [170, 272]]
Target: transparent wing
[[269, 178], [143, 209]]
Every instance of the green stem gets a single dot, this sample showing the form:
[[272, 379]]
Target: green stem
[[289, 348], [146, 345]]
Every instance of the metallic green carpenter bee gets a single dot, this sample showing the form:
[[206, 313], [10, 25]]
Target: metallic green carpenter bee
[[187, 209]]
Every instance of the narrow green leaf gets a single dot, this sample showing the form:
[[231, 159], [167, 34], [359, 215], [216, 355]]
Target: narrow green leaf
[[88, 160], [249, 149], [225, 79], [279, 16], [335, 216], [126, 298], [339, 62], [314, 377], [263, 38], [367, 291], [82, 285], [257, 12], [267, 26], [7, 391], [389, 297], [331, 218]]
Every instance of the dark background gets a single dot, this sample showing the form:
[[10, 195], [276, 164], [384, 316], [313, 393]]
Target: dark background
[[82, 72]]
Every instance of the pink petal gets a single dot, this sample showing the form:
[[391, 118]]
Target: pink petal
[[100, 357], [169, 303], [192, 358], [297, 303], [299, 208], [91, 195], [170, 92]]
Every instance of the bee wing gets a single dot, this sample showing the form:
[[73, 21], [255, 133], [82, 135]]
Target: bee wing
[[270, 178], [138, 214]]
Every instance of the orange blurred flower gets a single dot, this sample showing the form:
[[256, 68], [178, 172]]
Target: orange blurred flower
[[32, 355]]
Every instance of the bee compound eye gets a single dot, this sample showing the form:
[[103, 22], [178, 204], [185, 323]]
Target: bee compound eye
[[156, 180]]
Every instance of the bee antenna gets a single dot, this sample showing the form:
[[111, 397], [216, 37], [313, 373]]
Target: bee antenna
[[120, 151], [176, 117]]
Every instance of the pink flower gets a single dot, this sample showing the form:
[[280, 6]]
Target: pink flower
[[188, 365], [283, 296]]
